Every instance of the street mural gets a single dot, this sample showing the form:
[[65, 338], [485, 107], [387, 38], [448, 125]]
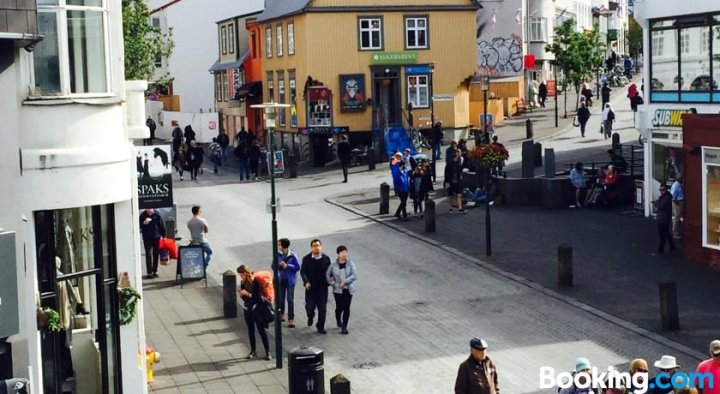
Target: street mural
[[500, 56]]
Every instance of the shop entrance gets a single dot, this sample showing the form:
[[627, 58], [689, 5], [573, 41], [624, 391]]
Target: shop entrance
[[386, 92], [76, 272]]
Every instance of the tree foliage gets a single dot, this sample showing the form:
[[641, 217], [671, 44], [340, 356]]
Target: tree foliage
[[634, 37], [143, 42]]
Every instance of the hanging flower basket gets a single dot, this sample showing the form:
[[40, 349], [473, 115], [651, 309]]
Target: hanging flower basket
[[48, 319], [128, 298], [489, 155]]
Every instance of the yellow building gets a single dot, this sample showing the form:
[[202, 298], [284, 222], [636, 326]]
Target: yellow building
[[354, 65]]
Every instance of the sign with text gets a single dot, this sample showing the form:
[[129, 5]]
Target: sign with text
[[443, 97], [191, 262], [669, 117], [551, 88], [8, 286], [403, 57], [154, 174]]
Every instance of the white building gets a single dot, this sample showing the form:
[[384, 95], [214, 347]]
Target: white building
[[69, 196], [682, 57], [196, 39]]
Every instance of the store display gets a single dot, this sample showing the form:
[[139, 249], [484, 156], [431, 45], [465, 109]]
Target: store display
[[711, 165]]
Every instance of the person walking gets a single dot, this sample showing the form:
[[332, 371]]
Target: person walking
[[453, 176], [437, 137], [312, 271], [668, 366], [401, 184], [288, 266], [242, 154], [254, 156], [477, 374], [418, 188], [605, 94], [710, 366], [198, 229], [152, 229], [251, 290], [608, 118], [180, 160], [177, 140], [583, 115], [344, 152], [215, 155], [224, 142], [341, 275], [664, 218], [678, 205], [189, 136], [150, 123], [542, 93], [534, 93], [577, 179], [195, 159]]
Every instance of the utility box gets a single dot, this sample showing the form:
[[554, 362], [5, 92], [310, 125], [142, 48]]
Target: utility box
[[8, 286]]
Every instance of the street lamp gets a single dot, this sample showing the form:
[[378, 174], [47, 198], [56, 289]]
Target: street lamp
[[485, 86], [270, 115], [432, 119]]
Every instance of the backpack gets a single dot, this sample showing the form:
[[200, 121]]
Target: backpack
[[265, 278], [611, 115]]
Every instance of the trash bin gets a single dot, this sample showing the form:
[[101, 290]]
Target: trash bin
[[306, 370]]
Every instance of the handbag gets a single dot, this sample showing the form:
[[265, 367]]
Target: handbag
[[263, 311], [575, 122]]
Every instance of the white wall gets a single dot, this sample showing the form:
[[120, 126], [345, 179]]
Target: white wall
[[196, 45], [651, 9], [500, 43]]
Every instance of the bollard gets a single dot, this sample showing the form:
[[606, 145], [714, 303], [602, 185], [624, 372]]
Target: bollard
[[565, 266], [528, 129], [669, 306], [549, 163], [384, 198], [371, 159], [528, 170], [230, 308], [292, 165], [429, 216], [339, 385], [537, 155]]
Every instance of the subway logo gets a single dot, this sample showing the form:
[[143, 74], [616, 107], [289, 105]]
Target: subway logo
[[669, 117]]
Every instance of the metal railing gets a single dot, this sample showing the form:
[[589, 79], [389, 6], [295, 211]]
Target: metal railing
[[633, 155]]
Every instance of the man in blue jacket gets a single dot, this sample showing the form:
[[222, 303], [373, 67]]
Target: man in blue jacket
[[288, 266]]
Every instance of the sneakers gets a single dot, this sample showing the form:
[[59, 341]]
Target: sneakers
[[462, 210], [251, 356], [310, 321], [291, 323], [450, 210], [268, 357], [344, 331], [321, 331]]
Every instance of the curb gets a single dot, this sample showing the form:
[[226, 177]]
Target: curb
[[660, 339]]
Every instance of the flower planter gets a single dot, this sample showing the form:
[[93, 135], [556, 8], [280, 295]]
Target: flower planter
[[135, 109]]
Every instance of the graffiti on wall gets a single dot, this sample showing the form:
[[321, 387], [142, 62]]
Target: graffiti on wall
[[500, 55]]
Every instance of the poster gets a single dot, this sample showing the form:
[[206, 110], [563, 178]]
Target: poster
[[191, 261], [154, 173], [353, 92], [551, 88], [278, 163], [319, 109]]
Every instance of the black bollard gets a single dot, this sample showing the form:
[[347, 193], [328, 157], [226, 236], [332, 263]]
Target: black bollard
[[549, 163], [528, 169], [371, 159], [528, 129], [384, 198], [537, 155], [292, 165], [230, 308], [339, 385], [565, 266], [669, 306], [429, 216]]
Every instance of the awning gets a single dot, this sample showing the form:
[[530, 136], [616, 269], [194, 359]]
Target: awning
[[249, 90], [217, 66]]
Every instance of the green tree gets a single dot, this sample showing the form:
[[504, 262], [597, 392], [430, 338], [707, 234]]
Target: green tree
[[577, 55], [143, 42], [634, 37]]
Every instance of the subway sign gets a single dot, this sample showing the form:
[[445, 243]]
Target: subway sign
[[669, 117]]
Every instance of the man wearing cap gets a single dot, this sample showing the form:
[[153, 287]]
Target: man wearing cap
[[663, 383], [582, 366], [477, 374], [710, 366]]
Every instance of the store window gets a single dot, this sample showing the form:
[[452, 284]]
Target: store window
[[279, 40], [291, 38], [271, 87], [370, 33], [416, 32], [711, 197], [682, 67], [75, 250], [538, 29], [71, 59], [281, 97], [418, 91], [268, 42]]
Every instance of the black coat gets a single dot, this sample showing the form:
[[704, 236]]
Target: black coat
[[583, 114], [344, 152], [153, 230], [313, 271], [664, 208], [542, 90], [437, 134], [605, 93], [189, 134]]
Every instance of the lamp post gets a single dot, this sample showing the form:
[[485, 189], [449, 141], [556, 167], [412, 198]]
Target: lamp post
[[270, 116], [556, 93], [485, 86], [432, 118]]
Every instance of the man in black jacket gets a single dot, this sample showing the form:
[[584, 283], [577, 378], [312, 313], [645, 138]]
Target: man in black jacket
[[437, 137], [344, 152], [152, 229], [664, 218], [313, 269]]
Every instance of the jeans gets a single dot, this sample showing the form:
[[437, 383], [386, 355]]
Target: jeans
[[342, 308], [436, 151], [478, 196], [252, 324], [244, 169], [152, 254], [217, 162], [345, 166], [287, 290], [664, 234], [207, 249], [224, 155], [582, 128], [316, 299], [402, 208]]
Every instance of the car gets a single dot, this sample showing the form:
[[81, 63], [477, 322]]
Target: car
[[702, 82]]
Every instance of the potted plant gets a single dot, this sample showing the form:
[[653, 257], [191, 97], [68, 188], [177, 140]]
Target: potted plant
[[48, 319], [128, 298], [489, 155]]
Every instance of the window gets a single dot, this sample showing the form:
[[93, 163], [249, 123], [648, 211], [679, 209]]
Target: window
[[370, 33], [416, 29], [231, 38], [657, 43], [705, 44], [293, 104], [685, 42], [225, 85], [223, 37], [418, 92], [268, 42], [77, 277], [281, 97], [253, 42], [279, 40], [156, 23], [218, 87], [271, 87], [291, 38], [72, 58], [538, 30], [695, 64]]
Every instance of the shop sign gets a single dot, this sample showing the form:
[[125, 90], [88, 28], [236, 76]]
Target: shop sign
[[669, 117], [417, 70], [551, 89], [403, 57], [154, 174], [8, 286], [443, 97]]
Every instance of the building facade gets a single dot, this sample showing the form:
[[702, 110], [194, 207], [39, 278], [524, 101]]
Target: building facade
[[375, 58], [69, 200], [682, 65]]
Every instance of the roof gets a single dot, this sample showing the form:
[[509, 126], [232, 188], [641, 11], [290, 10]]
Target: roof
[[217, 66], [278, 8], [246, 15]]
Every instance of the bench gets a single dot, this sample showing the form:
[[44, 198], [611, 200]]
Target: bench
[[522, 107]]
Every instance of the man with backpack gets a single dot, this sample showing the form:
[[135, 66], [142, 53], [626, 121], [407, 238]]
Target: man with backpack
[[224, 142], [288, 266]]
